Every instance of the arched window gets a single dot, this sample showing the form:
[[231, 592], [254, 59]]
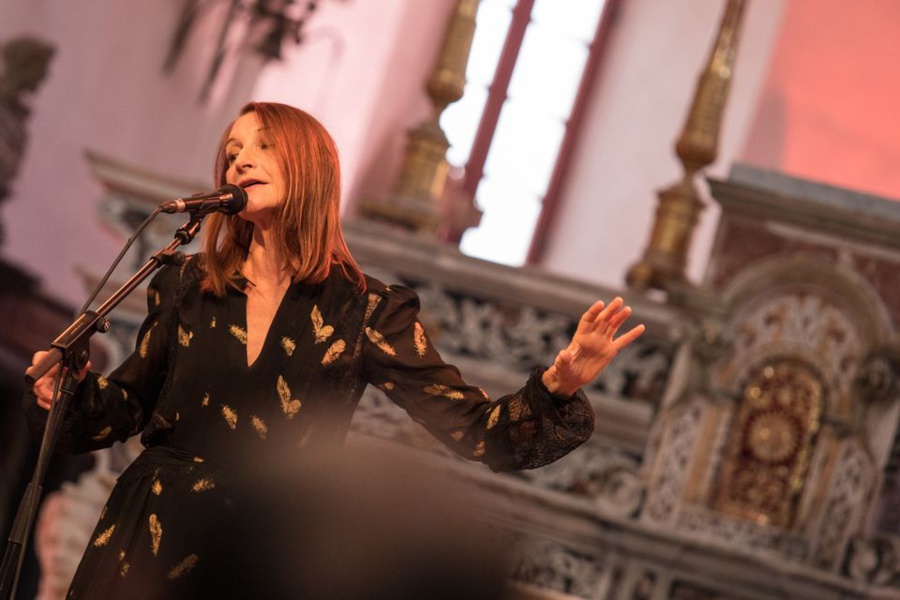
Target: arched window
[[529, 69]]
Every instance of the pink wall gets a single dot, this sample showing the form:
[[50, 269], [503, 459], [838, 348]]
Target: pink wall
[[361, 71], [625, 151], [829, 110], [826, 112]]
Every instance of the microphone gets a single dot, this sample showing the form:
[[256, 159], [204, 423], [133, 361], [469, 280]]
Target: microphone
[[229, 199]]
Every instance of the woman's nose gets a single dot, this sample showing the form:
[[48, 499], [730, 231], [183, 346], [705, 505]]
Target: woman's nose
[[244, 160]]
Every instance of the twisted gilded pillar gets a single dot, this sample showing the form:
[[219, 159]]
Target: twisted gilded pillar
[[679, 206], [413, 203]]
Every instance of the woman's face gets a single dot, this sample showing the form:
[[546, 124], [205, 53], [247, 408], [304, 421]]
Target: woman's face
[[253, 165]]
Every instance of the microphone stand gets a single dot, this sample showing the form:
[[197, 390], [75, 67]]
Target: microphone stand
[[71, 349]]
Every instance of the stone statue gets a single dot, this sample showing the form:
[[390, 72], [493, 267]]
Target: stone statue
[[26, 61]]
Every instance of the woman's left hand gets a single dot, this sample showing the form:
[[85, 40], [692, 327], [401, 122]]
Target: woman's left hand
[[592, 347]]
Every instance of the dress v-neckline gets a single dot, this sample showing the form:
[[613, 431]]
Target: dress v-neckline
[[265, 338]]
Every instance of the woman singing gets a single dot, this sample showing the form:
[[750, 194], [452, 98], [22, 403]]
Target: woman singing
[[262, 345]]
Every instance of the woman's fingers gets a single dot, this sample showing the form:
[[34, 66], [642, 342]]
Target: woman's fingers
[[591, 316], [628, 337], [44, 387], [607, 318]]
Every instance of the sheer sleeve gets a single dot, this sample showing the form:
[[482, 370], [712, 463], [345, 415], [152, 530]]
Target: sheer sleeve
[[109, 409], [523, 430]]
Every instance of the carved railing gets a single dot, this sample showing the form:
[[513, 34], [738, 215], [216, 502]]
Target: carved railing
[[640, 511]]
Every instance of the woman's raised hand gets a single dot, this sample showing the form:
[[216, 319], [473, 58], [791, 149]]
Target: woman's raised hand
[[592, 347]]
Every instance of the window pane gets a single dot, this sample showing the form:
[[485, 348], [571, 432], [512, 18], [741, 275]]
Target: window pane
[[524, 148], [460, 120], [548, 71], [506, 229], [460, 123], [532, 123], [491, 24], [497, 193], [575, 18]]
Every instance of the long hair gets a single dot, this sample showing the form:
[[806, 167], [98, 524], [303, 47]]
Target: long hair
[[308, 237]]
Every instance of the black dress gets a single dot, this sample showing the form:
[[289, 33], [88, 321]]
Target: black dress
[[206, 415]]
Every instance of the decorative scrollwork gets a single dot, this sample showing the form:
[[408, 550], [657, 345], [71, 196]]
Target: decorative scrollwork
[[875, 560], [521, 337], [608, 477], [550, 565], [877, 379]]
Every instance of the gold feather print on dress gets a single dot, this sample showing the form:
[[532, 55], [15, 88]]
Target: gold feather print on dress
[[123, 570], [374, 299], [479, 450], [203, 484], [156, 487], [230, 416], [493, 417], [290, 406], [321, 330], [102, 382], [103, 434], [183, 567], [288, 345], [259, 425], [239, 333], [103, 538], [378, 339], [205, 401], [212, 324], [437, 389], [184, 337], [421, 342], [156, 532], [334, 352], [145, 342]]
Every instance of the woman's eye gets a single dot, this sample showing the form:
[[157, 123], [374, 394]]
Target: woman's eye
[[231, 158]]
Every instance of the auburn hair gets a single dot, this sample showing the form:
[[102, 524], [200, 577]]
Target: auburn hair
[[307, 226]]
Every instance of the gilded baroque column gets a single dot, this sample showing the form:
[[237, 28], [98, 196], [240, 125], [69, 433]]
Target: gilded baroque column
[[679, 206], [413, 203]]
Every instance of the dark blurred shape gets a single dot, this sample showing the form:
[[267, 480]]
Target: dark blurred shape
[[347, 526], [26, 61]]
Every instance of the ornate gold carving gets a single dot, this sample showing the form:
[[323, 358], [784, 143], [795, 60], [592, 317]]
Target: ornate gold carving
[[679, 205], [771, 441], [414, 202]]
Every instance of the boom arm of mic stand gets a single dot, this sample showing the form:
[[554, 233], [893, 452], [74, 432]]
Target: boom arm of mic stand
[[92, 321], [71, 348]]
